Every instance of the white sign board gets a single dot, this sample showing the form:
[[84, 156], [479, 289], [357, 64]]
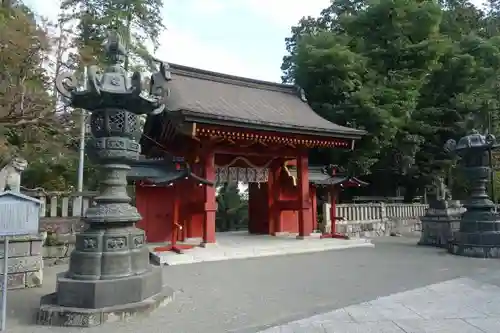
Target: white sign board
[[19, 214]]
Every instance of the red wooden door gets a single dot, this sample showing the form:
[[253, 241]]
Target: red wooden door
[[155, 205]]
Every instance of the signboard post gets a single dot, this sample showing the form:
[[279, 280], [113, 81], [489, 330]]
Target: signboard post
[[19, 216]]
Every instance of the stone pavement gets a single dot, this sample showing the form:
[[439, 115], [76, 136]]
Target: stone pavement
[[455, 306], [241, 245], [252, 295]]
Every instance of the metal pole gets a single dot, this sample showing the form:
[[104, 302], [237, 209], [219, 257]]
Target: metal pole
[[5, 281], [81, 160]]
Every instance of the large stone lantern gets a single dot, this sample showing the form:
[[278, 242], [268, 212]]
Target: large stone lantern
[[109, 272], [479, 234]]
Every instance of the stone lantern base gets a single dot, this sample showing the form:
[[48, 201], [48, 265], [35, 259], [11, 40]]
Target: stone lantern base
[[479, 235], [90, 303], [476, 244], [440, 222]]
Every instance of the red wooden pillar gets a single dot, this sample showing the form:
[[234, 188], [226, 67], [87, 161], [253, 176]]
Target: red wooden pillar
[[333, 209], [271, 184], [314, 207], [210, 202], [275, 223], [305, 218]]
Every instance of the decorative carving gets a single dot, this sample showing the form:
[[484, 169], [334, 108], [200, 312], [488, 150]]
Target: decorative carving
[[116, 243], [440, 189], [66, 83], [89, 243], [302, 94], [138, 241], [159, 82], [10, 175], [115, 82]]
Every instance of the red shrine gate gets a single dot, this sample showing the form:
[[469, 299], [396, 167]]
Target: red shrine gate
[[229, 127]]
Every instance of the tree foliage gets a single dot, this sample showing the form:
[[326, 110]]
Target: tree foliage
[[232, 209], [138, 21], [412, 73], [30, 125], [33, 123]]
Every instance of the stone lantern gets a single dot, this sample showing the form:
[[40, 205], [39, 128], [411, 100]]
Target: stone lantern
[[479, 233], [109, 272]]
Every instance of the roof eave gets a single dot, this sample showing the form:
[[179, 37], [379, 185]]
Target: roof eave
[[190, 116]]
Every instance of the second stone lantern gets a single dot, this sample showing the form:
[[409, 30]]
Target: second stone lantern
[[479, 234], [109, 274]]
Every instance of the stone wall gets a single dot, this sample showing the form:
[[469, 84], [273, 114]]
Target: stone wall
[[25, 264], [374, 219], [370, 229]]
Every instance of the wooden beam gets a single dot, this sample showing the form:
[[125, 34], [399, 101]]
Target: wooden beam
[[241, 135], [280, 151]]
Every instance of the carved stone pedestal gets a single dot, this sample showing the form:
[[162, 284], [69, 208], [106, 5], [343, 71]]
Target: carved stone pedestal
[[92, 303], [439, 223]]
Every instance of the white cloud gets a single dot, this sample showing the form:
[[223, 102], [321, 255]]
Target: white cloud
[[183, 48], [286, 13], [208, 7]]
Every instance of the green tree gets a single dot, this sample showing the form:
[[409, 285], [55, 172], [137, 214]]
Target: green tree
[[412, 73], [360, 69], [138, 21], [31, 125], [232, 210]]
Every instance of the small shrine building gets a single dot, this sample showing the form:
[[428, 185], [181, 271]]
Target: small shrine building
[[228, 128]]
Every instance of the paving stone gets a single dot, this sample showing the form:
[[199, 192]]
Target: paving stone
[[437, 326], [276, 329], [488, 325], [340, 315], [443, 307], [238, 246], [372, 327], [365, 313], [440, 310], [303, 328], [393, 310]]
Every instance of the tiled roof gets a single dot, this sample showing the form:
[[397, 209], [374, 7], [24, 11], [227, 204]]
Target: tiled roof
[[224, 99], [316, 176]]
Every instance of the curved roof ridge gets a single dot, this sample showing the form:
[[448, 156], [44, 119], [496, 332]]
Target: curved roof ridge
[[233, 79]]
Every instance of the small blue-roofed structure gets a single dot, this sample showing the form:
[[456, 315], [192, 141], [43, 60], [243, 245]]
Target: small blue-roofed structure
[[19, 214]]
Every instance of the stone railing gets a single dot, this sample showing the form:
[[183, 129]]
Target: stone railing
[[60, 220], [374, 219], [63, 205], [60, 212]]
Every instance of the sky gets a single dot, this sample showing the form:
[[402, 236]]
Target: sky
[[238, 37]]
